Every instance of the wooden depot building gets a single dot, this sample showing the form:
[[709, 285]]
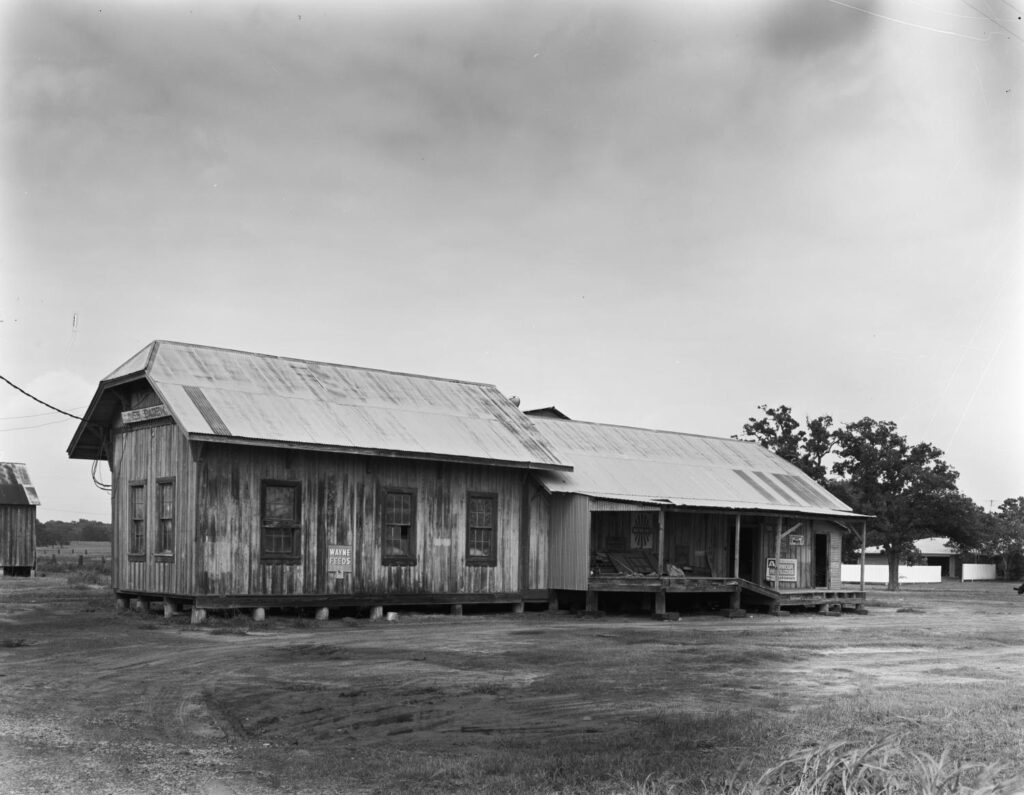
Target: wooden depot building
[[18, 501], [242, 480]]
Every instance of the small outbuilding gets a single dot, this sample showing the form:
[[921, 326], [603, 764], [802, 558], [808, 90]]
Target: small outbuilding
[[18, 501]]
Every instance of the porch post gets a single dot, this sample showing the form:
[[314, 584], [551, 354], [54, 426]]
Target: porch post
[[778, 550], [863, 541], [736, 551], [661, 543]]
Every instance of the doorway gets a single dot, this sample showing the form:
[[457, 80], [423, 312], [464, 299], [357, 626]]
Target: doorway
[[821, 560], [750, 547]]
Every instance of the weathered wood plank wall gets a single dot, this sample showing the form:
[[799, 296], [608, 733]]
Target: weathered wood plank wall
[[540, 520], [144, 455], [804, 553], [18, 535], [703, 542], [342, 504]]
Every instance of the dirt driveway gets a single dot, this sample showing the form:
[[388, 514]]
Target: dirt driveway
[[97, 701]]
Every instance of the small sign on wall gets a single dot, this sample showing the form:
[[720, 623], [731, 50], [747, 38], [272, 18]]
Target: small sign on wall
[[141, 415], [641, 535], [784, 569], [796, 540], [339, 559]]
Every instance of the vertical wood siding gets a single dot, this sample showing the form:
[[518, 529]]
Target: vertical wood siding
[[144, 455], [540, 508], [18, 535], [804, 553], [703, 542], [341, 504], [835, 554], [569, 542]]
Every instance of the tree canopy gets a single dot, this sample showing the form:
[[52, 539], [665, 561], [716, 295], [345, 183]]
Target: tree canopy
[[909, 489], [57, 532], [1002, 536]]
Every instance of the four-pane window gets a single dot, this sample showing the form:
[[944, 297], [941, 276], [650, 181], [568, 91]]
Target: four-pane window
[[165, 516], [281, 522], [399, 531], [137, 531], [482, 530]]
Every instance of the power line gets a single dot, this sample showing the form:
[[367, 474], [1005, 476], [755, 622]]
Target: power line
[[993, 20], [31, 416], [37, 400], [30, 427]]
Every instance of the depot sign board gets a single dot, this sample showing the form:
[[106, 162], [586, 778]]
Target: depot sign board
[[781, 570]]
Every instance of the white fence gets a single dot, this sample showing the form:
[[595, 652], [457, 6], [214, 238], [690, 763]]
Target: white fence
[[879, 573], [979, 571]]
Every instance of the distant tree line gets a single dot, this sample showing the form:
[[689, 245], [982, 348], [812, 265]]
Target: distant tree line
[[909, 489], [55, 532]]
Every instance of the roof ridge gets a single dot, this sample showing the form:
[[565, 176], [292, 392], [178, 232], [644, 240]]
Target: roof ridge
[[318, 362], [641, 428]]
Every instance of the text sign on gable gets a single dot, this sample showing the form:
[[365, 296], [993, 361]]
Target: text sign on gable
[[141, 415], [785, 570], [339, 559]]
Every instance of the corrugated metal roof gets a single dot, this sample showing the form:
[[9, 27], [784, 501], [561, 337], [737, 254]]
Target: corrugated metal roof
[[234, 396], [683, 470], [15, 485]]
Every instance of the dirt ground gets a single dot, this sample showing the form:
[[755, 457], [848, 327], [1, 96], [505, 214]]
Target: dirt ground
[[96, 701]]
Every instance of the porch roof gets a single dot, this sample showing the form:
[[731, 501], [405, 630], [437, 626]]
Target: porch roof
[[671, 469]]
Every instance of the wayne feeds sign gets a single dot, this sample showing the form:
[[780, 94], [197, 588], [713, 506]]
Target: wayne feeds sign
[[339, 559]]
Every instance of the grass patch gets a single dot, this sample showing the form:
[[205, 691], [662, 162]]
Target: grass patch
[[878, 769], [874, 742]]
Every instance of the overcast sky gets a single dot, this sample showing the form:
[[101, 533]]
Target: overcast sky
[[646, 213]]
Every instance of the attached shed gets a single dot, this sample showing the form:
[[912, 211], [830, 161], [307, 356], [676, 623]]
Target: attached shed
[[247, 480], [663, 513], [18, 501]]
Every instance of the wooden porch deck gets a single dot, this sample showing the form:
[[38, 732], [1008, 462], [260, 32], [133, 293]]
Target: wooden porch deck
[[745, 592]]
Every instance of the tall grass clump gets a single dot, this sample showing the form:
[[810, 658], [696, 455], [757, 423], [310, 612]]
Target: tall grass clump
[[881, 768]]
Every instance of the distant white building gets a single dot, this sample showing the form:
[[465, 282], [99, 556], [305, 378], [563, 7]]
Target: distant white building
[[938, 552]]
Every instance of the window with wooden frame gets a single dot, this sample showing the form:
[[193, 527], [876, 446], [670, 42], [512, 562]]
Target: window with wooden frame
[[398, 531], [280, 521], [482, 530], [137, 524], [165, 517]]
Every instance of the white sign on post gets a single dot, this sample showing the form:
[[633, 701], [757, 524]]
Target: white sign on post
[[784, 571]]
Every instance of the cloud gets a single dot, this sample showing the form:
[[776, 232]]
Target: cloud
[[802, 29]]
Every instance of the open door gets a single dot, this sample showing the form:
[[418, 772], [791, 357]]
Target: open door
[[750, 547], [821, 560]]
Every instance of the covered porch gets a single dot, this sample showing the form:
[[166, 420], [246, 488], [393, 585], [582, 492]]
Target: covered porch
[[741, 561]]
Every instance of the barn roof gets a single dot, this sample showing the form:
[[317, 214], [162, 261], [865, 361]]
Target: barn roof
[[230, 396], [613, 462], [15, 485]]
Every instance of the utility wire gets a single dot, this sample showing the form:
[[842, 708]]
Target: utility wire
[[31, 427], [95, 476], [37, 400], [30, 416]]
